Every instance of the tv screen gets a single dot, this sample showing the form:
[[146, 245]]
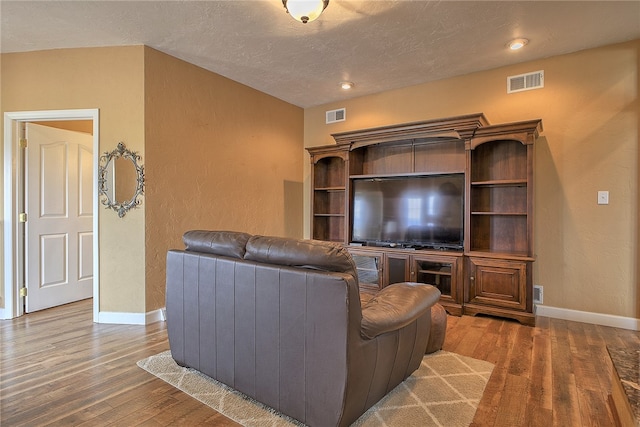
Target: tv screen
[[411, 211]]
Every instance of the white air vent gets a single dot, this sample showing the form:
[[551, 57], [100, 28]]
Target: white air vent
[[339, 115], [527, 81], [538, 295]]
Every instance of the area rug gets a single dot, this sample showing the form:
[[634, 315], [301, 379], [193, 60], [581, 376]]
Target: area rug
[[444, 391]]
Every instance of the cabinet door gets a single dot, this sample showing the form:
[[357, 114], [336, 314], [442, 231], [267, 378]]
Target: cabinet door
[[498, 283], [438, 272], [369, 268], [397, 269]]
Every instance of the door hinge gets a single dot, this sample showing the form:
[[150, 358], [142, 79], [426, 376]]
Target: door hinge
[[23, 292], [23, 142], [22, 217]]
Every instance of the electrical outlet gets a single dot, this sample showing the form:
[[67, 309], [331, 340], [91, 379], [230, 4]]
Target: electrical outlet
[[603, 197], [538, 294]]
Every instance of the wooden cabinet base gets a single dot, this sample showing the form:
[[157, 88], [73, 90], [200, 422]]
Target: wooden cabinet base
[[528, 319], [452, 308]]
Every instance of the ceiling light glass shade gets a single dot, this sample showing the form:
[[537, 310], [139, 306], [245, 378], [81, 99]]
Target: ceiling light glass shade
[[305, 10], [346, 85], [517, 44]]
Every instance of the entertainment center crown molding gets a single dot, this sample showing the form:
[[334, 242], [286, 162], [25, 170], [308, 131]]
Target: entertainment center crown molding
[[491, 273]]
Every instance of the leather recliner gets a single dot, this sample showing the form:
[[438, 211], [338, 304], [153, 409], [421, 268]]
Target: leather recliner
[[280, 320]]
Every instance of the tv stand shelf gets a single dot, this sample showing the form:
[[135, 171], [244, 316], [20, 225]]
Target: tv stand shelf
[[493, 274], [441, 269]]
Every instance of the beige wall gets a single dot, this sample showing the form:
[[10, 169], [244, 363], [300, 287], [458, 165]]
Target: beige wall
[[220, 155], [245, 147], [110, 79], [587, 255], [217, 154]]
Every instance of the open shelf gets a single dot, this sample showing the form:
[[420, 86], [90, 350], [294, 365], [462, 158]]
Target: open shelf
[[436, 274], [328, 227], [499, 210], [499, 233], [329, 202], [329, 196], [499, 162], [505, 200], [329, 172]]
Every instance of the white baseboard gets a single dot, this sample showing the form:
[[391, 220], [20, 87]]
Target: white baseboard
[[120, 318], [588, 317]]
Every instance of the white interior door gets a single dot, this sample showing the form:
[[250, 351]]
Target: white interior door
[[59, 206]]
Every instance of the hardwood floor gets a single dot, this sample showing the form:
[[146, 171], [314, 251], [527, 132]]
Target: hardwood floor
[[555, 374], [59, 368]]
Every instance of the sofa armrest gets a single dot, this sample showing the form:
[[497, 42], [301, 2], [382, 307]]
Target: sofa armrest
[[396, 306]]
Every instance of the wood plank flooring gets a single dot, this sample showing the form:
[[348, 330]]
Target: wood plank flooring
[[59, 368]]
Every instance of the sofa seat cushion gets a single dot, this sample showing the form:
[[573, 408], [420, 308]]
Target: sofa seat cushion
[[224, 243], [314, 254]]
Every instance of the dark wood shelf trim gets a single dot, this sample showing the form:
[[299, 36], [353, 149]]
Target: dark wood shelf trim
[[437, 273], [525, 132], [480, 253], [329, 189], [479, 213], [500, 183], [459, 127]]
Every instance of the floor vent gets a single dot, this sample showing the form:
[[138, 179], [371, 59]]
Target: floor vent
[[537, 294], [527, 81], [339, 115]]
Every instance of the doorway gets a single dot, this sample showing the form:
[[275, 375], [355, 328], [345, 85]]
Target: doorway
[[16, 233]]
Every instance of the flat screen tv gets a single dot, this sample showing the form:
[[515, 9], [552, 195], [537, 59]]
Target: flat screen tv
[[409, 211]]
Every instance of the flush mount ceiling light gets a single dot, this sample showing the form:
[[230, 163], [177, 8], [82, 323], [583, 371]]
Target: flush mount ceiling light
[[346, 85], [305, 10], [517, 44]]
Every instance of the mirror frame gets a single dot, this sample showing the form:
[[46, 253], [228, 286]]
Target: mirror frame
[[120, 152]]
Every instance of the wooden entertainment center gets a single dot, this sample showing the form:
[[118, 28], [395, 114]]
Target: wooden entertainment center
[[493, 272]]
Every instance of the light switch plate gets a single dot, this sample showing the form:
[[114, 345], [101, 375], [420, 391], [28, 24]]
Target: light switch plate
[[603, 197]]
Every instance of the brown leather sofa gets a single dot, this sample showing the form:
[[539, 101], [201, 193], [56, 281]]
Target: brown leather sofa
[[280, 320]]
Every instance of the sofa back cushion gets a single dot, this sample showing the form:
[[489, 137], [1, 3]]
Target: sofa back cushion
[[225, 243], [312, 254]]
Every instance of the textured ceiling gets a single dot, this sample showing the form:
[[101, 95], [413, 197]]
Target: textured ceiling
[[379, 45]]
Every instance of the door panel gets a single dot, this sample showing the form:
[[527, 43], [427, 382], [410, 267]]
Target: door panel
[[85, 263], [59, 264], [498, 283], [53, 182]]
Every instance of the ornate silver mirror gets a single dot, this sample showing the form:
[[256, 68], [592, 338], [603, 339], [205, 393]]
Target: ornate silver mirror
[[120, 180]]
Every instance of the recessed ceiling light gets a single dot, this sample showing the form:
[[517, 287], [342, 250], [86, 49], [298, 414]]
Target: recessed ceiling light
[[346, 85], [517, 44]]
